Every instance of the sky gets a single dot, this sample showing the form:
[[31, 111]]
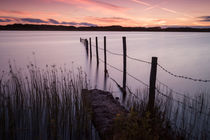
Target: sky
[[132, 13]]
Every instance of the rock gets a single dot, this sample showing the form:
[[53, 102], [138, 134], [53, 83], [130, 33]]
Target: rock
[[104, 110]]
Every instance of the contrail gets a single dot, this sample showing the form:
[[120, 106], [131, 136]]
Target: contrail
[[150, 6], [142, 3], [168, 10]]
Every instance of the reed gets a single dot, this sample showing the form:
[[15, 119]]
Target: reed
[[44, 104]]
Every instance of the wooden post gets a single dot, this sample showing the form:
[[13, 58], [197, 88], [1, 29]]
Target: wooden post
[[90, 48], [153, 74], [124, 63], [86, 45], [97, 51], [105, 68]]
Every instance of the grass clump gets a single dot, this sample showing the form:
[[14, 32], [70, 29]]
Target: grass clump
[[146, 126], [172, 118]]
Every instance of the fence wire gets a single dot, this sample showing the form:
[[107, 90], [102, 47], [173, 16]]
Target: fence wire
[[139, 60], [118, 54], [140, 81], [182, 77]]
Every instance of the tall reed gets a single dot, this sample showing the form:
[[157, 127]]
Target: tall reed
[[39, 104]]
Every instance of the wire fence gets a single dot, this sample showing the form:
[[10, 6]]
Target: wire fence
[[140, 81], [164, 69], [189, 107], [143, 61], [118, 54], [147, 62]]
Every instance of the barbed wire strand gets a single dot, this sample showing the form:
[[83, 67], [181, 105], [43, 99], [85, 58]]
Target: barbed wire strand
[[139, 60], [182, 77], [130, 57]]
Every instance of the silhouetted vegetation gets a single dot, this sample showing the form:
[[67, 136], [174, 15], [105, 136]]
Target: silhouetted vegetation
[[41, 104], [46, 104], [33, 27]]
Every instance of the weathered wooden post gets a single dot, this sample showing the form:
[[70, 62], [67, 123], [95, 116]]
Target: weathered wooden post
[[153, 74], [124, 63], [86, 45], [97, 51], [90, 48], [105, 68]]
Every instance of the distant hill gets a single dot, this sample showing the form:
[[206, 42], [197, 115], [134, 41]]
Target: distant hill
[[32, 27]]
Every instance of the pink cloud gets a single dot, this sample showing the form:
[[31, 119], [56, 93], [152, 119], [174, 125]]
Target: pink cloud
[[94, 4], [14, 12]]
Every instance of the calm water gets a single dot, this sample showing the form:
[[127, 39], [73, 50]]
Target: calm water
[[181, 53]]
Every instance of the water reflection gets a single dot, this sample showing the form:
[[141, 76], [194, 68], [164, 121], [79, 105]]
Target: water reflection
[[96, 76], [105, 80]]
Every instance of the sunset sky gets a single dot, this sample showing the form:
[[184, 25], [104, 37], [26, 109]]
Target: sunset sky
[[106, 12]]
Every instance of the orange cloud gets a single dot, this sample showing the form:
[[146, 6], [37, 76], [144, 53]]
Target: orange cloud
[[160, 21], [107, 21]]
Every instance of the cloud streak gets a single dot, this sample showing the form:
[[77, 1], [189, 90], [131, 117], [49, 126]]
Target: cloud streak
[[33, 20], [150, 6], [53, 21], [8, 12], [40, 21], [169, 10], [107, 21], [141, 2], [94, 4], [204, 18], [5, 20]]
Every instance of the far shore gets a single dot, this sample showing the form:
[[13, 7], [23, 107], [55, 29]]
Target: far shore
[[35, 27]]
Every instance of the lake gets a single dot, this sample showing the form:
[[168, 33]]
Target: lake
[[181, 53]]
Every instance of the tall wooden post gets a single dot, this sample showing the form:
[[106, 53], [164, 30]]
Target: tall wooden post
[[97, 51], [105, 68], [152, 83], [90, 48], [124, 63]]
